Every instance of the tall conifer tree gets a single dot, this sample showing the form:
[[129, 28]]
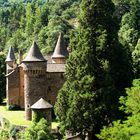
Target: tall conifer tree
[[88, 99]]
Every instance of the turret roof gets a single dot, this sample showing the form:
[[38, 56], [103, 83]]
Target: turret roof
[[34, 54], [11, 55], [41, 104], [60, 49]]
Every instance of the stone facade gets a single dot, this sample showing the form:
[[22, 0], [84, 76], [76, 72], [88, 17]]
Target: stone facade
[[33, 79], [13, 83]]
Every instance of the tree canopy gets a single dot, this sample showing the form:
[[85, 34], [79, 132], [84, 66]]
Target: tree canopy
[[129, 128], [104, 39], [94, 73], [2, 76], [23, 21]]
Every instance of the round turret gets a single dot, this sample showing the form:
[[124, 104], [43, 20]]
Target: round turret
[[34, 63], [42, 109], [60, 53], [34, 66], [10, 60]]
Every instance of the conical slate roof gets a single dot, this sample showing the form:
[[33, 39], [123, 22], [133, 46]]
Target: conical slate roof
[[41, 104], [60, 49], [11, 55], [34, 54]]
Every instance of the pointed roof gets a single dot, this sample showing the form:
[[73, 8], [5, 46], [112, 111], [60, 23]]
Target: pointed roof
[[60, 49], [34, 54], [11, 55], [41, 104]]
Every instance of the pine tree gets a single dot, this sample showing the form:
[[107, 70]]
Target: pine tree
[[29, 19], [88, 99], [2, 76]]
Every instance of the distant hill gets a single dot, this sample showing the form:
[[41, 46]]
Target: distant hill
[[22, 21]]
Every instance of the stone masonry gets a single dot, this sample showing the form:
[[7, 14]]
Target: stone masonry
[[35, 77]]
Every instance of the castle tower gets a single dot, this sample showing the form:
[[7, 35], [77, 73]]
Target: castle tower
[[60, 53], [12, 79], [10, 60], [34, 66]]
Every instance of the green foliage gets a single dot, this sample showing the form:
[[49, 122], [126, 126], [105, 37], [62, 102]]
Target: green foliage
[[55, 26], [4, 130], [94, 72], [4, 134], [131, 101], [13, 130], [14, 107], [38, 115], [37, 131], [7, 133], [129, 32], [2, 76], [23, 21], [130, 128], [136, 59]]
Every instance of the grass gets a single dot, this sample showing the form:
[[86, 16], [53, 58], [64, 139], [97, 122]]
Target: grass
[[15, 117], [18, 117]]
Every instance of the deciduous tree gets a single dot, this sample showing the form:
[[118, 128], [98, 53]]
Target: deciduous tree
[[130, 128]]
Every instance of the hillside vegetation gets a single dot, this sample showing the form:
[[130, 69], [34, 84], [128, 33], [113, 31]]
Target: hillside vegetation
[[104, 36], [21, 22]]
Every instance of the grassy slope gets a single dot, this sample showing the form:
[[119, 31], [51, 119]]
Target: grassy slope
[[15, 117], [18, 117]]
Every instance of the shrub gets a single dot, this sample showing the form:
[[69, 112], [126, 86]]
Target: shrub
[[14, 107], [4, 134], [37, 131], [13, 131]]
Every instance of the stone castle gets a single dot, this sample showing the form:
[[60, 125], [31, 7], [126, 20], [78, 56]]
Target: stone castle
[[35, 77]]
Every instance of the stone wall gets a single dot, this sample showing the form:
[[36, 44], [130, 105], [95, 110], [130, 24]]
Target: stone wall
[[43, 86], [28, 83], [13, 94], [54, 82], [21, 74], [35, 88]]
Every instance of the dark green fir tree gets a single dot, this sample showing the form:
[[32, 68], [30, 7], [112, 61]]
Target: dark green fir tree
[[95, 72], [2, 76]]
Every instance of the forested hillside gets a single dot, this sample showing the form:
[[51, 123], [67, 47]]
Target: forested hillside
[[23, 21], [104, 36]]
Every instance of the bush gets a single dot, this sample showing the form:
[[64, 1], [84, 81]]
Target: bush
[[13, 131], [4, 134], [14, 107], [37, 131], [128, 129], [38, 115]]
